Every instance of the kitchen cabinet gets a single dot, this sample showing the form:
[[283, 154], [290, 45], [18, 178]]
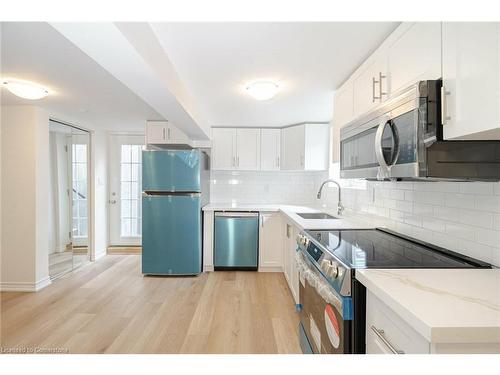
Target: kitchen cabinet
[[235, 149], [270, 149], [291, 272], [248, 149], [387, 333], [415, 55], [370, 83], [270, 242], [343, 108], [471, 80], [223, 148], [305, 147], [164, 133]]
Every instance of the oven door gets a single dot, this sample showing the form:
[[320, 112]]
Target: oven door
[[325, 318]]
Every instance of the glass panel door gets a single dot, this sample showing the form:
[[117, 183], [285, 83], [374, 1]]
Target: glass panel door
[[125, 207]]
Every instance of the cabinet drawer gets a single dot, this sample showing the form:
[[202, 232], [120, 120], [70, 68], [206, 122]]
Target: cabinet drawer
[[386, 332]]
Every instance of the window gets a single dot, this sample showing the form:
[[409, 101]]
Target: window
[[131, 187], [79, 165]]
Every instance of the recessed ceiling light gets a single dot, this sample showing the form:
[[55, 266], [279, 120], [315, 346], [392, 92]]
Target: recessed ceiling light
[[25, 89], [262, 90]]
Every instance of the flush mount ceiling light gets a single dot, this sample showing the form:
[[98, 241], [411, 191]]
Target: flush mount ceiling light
[[25, 89], [262, 90]]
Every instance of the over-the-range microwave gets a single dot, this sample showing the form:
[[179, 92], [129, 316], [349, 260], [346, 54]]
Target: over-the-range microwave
[[402, 139]]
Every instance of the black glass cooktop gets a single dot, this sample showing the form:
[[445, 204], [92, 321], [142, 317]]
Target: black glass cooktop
[[375, 248]]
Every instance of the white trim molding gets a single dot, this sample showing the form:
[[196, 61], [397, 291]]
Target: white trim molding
[[24, 286]]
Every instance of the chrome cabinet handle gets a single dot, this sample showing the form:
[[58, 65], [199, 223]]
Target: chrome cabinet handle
[[380, 91], [262, 221], [168, 132], [164, 136], [234, 161], [444, 107], [380, 335], [237, 161], [288, 230]]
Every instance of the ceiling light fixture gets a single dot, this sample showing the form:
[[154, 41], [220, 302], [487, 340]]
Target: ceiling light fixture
[[25, 89], [262, 90]]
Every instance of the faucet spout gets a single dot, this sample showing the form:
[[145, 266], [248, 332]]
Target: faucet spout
[[340, 207]]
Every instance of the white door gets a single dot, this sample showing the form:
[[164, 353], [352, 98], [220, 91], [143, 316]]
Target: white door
[[125, 207], [79, 158], [270, 148], [415, 55], [471, 79], [248, 149], [270, 242], [370, 84], [292, 147], [223, 148]]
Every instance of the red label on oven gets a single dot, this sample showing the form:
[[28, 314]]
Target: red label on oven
[[332, 326]]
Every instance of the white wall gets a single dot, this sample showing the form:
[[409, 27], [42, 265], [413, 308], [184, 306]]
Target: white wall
[[277, 187], [99, 186], [460, 216], [24, 196]]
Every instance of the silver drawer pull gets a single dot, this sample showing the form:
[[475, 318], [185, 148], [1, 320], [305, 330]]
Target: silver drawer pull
[[380, 335]]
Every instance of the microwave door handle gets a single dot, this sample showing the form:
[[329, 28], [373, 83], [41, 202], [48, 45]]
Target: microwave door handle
[[383, 169]]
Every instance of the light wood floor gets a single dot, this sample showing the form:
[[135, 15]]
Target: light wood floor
[[109, 307]]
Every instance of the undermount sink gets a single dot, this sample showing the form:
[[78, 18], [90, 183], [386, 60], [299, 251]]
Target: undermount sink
[[316, 215]]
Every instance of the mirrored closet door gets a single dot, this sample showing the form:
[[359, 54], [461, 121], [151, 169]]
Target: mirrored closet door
[[68, 198]]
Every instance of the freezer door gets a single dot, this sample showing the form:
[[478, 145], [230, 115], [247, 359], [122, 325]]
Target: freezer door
[[236, 241], [171, 234], [171, 170]]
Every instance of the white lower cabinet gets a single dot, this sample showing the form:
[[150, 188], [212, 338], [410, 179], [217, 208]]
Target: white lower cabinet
[[270, 242], [290, 267], [387, 333]]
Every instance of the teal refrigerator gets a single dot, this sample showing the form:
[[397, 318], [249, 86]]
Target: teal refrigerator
[[176, 185]]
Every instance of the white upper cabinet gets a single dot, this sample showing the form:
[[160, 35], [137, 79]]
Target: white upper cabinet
[[343, 108], [270, 149], [248, 149], [235, 149], [414, 55], [305, 147], [164, 133], [471, 80], [293, 147], [370, 83], [223, 148]]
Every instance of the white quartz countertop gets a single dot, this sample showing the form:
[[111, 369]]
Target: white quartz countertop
[[444, 306], [344, 221]]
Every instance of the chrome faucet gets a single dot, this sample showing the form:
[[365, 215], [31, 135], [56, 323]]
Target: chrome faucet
[[340, 207]]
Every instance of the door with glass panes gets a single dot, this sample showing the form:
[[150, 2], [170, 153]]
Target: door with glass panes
[[125, 209]]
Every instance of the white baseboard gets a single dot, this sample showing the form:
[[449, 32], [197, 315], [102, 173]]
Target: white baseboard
[[24, 286], [208, 268], [271, 269], [100, 255]]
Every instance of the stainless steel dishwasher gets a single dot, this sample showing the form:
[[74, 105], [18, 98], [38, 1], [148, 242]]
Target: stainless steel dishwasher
[[236, 240]]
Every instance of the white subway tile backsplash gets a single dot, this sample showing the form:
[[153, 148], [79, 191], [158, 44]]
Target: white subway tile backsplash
[[459, 200], [460, 216], [488, 203]]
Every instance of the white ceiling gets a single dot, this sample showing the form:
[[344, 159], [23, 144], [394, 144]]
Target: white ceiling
[[308, 61], [82, 91]]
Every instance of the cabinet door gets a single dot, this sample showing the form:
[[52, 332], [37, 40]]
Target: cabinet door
[[370, 84], [156, 132], [415, 55], [287, 233], [292, 148], [471, 80], [294, 272], [316, 147], [343, 104], [248, 149], [174, 135], [270, 146], [270, 249], [223, 148]]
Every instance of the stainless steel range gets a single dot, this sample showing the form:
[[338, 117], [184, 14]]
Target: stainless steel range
[[333, 301]]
